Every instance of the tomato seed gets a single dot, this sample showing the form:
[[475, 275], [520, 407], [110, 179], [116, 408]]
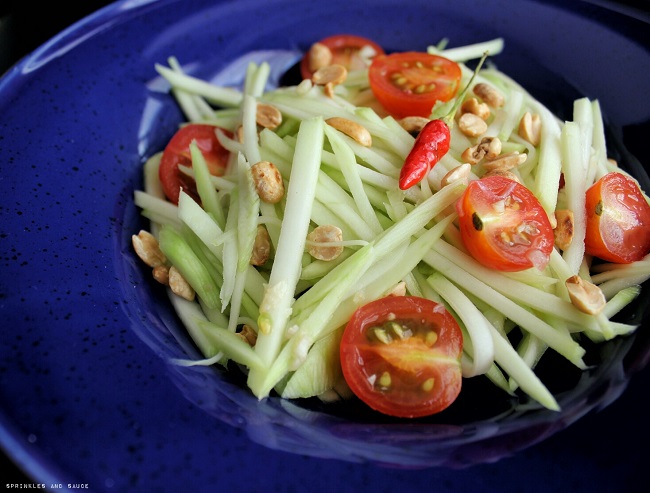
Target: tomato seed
[[398, 329], [381, 335], [599, 208], [427, 385], [476, 221], [431, 338], [385, 380]]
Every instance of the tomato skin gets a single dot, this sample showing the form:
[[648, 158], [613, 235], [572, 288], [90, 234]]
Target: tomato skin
[[492, 212], [431, 349], [618, 220], [416, 72], [177, 152], [344, 48]]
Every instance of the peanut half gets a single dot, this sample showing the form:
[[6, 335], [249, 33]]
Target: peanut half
[[472, 125], [530, 128], [179, 285], [268, 116], [585, 296], [352, 129], [268, 182], [261, 246], [489, 94], [319, 242], [319, 56], [563, 230], [146, 247]]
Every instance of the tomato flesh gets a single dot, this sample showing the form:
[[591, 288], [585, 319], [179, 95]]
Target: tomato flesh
[[177, 152], [401, 356], [345, 50], [503, 225], [410, 83], [618, 220]]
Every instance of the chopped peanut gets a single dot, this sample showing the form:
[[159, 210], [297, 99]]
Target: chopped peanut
[[352, 129], [489, 94], [585, 296], [146, 247], [268, 116], [530, 128], [268, 182], [179, 285], [261, 247], [564, 229], [471, 125], [319, 239]]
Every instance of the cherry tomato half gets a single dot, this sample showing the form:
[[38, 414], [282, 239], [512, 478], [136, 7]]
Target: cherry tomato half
[[345, 51], [401, 356], [177, 152], [503, 225], [410, 83], [618, 220]]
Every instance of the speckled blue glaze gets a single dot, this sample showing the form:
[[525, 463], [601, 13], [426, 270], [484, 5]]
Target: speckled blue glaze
[[87, 393]]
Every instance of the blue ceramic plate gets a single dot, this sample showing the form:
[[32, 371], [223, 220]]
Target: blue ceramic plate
[[87, 393]]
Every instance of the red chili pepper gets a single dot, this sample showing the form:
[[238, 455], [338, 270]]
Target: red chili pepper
[[432, 143]]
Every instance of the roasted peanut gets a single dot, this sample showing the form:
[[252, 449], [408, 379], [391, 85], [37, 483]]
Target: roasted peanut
[[179, 285], [530, 128], [398, 290], [505, 161], [261, 246], [334, 74], [489, 94], [503, 173], [268, 116], [458, 173], [146, 247], [161, 274], [413, 124], [472, 105], [319, 242], [585, 296], [328, 90], [248, 335], [489, 148], [471, 125], [268, 182], [352, 129], [319, 56], [564, 228]]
